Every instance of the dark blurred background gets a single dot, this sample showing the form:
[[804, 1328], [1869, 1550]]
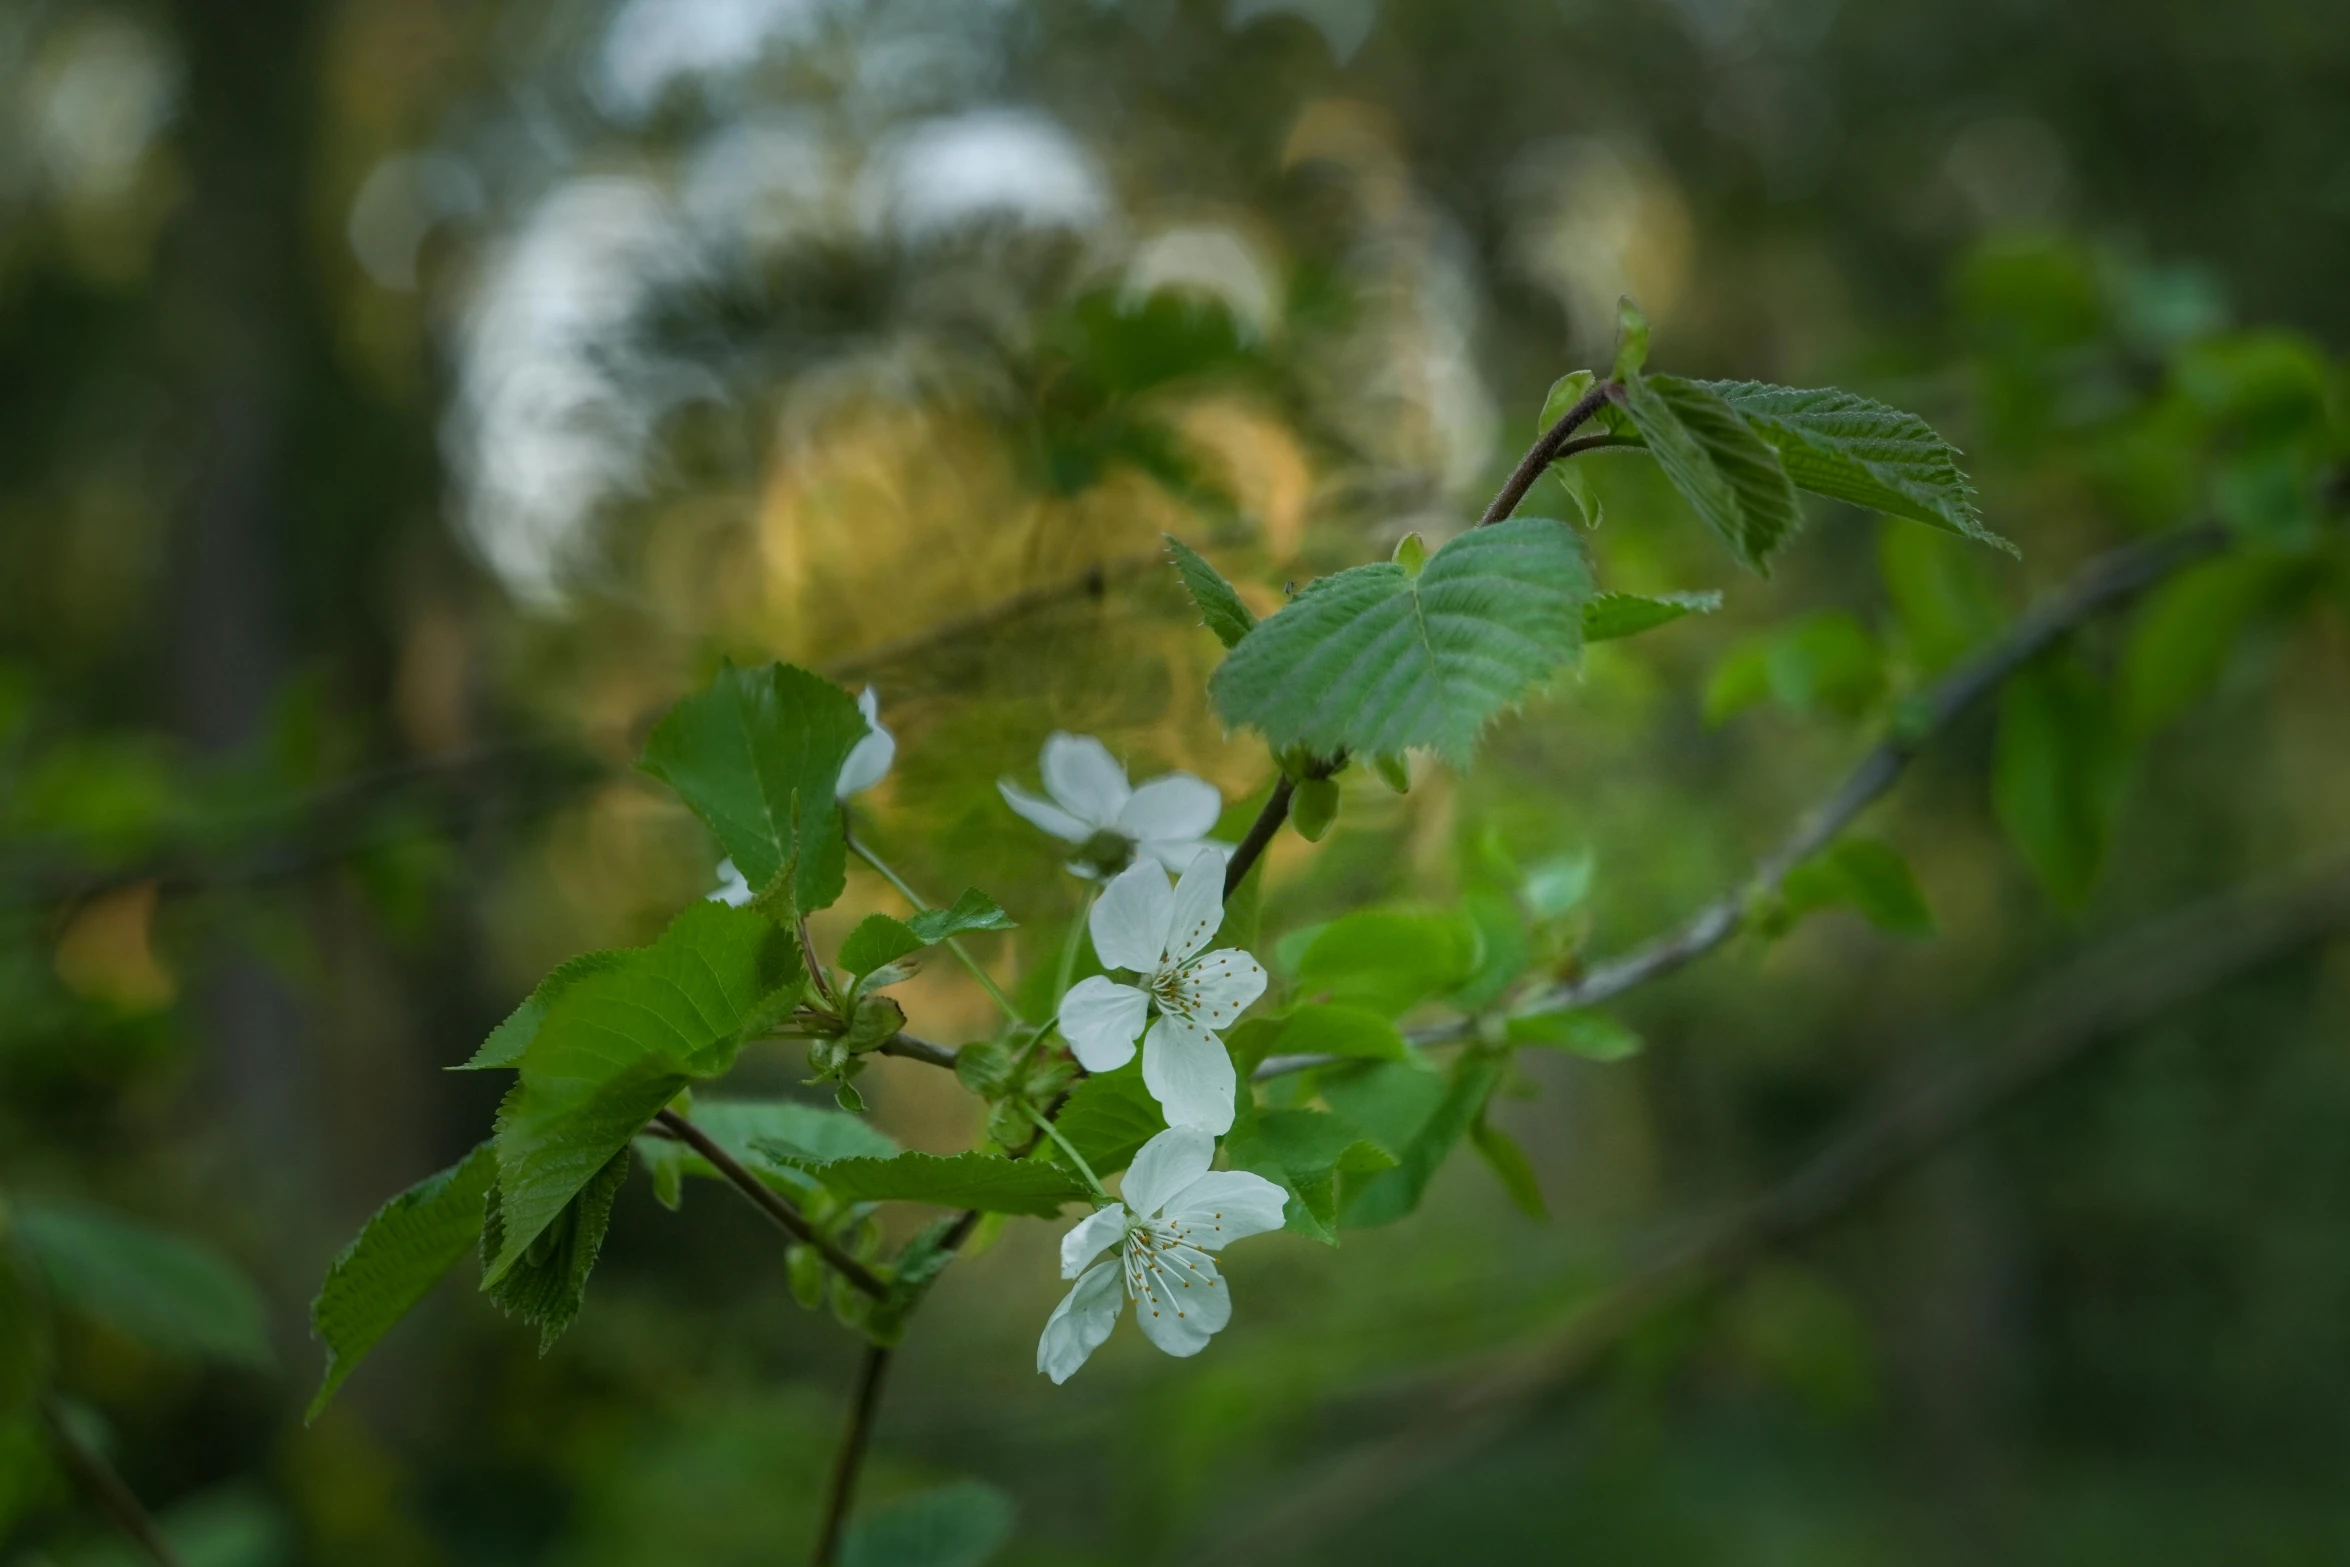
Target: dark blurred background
[[402, 402]]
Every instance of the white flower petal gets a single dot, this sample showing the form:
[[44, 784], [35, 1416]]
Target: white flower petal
[[1178, 853], [1131, 916], [1223, 1206], [1101, 1019], [1188, 1072], [1184, 1301], [1167, 1164], [867, 763], [1090, 1236], [1043, 813], [1177, 807], [732, 890], [1216, 987], [1081, 1321], [1199, 907], [869, 703], [1084, 778]]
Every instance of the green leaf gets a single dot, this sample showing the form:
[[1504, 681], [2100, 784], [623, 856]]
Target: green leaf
[[400, 1254], [1558, 885], [1575, 479], [1714, 458], [1219, 606], [1863, 875], [1593, 1035], [547, 1277], [511, 1038], [1375, 661], [1339, 1030], [988, 1182], [959, 1525], [2183, 634], [877, 941], [1631, 339], [1382, 1198], [1608, 616], [1304, 1151], [1851, 449], [974, 910], [756, 755], [1508, 1161], [1504, 952], [1108, 1117], [2060, 769], [169, 1294], [1386, 961], [1825, 661], [617, 1044]]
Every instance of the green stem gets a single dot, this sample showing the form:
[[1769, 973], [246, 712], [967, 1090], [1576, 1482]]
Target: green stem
[[1069, 948], [1044, 1124], [986, 981]]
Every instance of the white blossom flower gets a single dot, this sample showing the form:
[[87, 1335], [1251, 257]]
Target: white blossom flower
[[868, 761], [1140, 923], [1168, 818], [1175, 1211], [733, 890]]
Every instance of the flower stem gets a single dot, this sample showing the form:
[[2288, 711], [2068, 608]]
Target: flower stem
[[1045, 1125], [986, 981]]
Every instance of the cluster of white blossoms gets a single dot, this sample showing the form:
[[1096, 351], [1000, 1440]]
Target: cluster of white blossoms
[[1175, 1212]]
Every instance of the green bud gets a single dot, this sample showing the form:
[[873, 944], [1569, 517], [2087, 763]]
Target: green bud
[[1047, 1078], [1411, 553], [849, 1099], [1314, 807], [985, 1069], [878, 1019], [806, 1271], [1394, 773], [1631, 339], [1008, 1125]]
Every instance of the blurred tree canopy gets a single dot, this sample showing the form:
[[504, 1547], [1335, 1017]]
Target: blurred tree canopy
[[407, 402]]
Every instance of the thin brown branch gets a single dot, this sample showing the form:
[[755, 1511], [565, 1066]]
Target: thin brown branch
[[848, 1460], [1547, 448], [1259, 835], [2095, 999], [769, 1201], [107, 1490], [911, 1047]]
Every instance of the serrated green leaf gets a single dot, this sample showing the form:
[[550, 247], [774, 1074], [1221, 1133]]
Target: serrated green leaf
[[1593, 1035], [756, 754], [167, 1293], [878, 940], [398, 1255], [1108, 1117], [1304, 1151], [1611, 615], [1852, 449], [1863, 875], [1219, 606], [1376, 662], [974, 910], [959, 1525], [616, 1045], [547, 1277], [1385, 960], [1719, 464], [988, 1182], [1371, 1200], [2060, 769], [511, 1038], [1510, 1165]]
